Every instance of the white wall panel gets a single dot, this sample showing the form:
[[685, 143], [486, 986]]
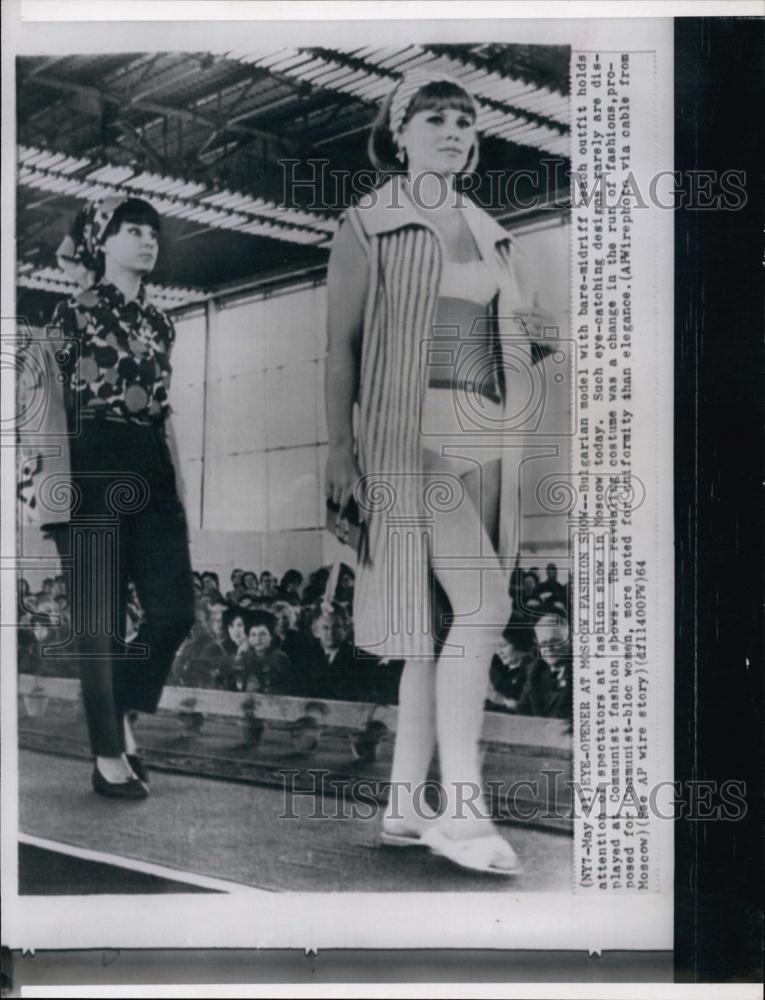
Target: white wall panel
[[222, 551], [235, 497], [295, 326], [188, 357], [187, 390], [292, 405], [237, 340], [322, 433], [187, 402], [236, 414], [292, 489], [301, 550]]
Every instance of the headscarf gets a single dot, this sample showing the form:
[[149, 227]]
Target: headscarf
[[78, 252], [411, 83]]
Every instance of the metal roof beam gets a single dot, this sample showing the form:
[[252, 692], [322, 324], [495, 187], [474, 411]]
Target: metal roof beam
[[168, 110]]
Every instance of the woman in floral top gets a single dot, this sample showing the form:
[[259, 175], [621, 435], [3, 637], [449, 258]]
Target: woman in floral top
[[127, 523]]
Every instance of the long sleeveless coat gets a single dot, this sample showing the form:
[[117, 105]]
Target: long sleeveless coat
[[393, 600]]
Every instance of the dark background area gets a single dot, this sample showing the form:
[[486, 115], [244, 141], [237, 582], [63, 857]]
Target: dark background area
[[719, 415], [719, 308]]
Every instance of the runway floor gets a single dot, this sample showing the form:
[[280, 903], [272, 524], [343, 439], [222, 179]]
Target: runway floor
[[194, 827]]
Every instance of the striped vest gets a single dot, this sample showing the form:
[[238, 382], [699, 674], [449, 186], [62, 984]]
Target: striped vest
[[393, 599]]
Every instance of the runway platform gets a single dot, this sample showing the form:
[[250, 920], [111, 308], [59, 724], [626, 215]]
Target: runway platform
[[218, 835], [276, 794]]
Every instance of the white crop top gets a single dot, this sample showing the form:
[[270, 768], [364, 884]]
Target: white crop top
[[471, 280]]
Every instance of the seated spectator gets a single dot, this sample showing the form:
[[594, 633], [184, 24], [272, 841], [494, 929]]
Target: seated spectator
[[555, 648], [30, 653], [59, 586], [44, 603], [237, 587], [64, 616], [30, 605], [250, 584], [528, 604], [135, 613], [211, 587], [287, 638], [316, 586], [267, 585], [259, 666], [521, 680], [308, 659], [344, 590], [290, 584], [348, 675], [202, 661], [235, 623], [550, 591], [306, 617], [515, 587]]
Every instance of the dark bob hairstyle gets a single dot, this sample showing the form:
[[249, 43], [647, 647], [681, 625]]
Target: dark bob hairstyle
[[437, 95], [135, 211]]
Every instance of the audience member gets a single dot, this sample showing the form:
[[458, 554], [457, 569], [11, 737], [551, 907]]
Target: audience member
[[520, 679], [290, 584], [527, 603], [40, 634], [211, 587], [262, 667], [202, 661], [267, 585], [295, 642], [237, 587], [555, 649], [262, 638], [235, 624], [551, 592], [316, 586]]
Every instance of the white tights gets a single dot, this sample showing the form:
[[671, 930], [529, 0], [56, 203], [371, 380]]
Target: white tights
[[441, 701]]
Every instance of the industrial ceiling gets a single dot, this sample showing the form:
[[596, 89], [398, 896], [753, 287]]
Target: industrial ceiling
[[215, 142]]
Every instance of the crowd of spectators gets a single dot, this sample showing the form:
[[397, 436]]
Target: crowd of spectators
[[283, 637], [290, 637]]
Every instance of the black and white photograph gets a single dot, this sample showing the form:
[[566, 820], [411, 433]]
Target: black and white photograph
[[339, 362], [308, 312]]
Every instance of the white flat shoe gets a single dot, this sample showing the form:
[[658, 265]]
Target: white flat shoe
[[479, 854], [400, 839]]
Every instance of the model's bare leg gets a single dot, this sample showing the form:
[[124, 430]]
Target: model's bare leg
[[481, 607], [415, 742]]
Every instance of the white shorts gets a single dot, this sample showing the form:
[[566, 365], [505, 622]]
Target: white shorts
[[461, 427]]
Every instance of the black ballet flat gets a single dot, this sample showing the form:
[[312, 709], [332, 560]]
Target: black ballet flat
[[130, 789], [136, 765]]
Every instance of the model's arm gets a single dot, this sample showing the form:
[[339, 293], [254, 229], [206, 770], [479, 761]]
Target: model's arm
[[347, 280], [172, 443]]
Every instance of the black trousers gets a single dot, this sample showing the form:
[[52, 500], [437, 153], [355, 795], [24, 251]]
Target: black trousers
[[127, 524]]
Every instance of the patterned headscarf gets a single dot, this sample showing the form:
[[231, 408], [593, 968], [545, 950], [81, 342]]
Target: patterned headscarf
[[78, 252], [409, 85]]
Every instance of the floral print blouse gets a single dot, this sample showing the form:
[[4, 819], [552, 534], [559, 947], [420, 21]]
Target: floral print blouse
[[117, 356]]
